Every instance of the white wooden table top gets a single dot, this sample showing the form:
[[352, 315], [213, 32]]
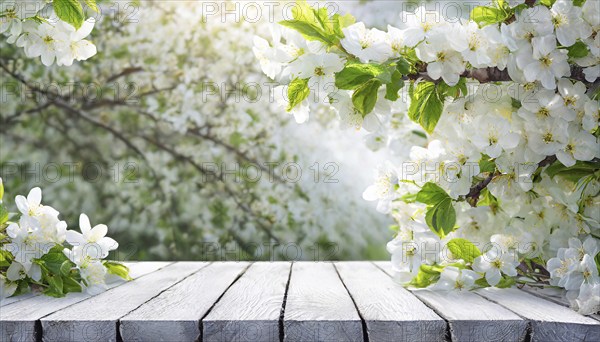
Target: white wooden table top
[[283, 301]]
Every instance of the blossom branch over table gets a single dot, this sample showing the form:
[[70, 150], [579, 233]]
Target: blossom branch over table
[[501, 185]]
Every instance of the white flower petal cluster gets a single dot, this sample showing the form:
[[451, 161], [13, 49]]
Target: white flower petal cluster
[[39, 230], [43, 35], [574, 269]]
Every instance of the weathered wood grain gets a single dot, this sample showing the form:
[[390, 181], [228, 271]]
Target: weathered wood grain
[[18, 320], [549, 321], [473, 318], [390, 312], [10, 300], [175, 314], [250, 309], [554, 295], [96, 318], [318, 307]]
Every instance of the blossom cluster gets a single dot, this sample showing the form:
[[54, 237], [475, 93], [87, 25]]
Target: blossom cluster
[[503, 171], [33, 252], [48, 31]]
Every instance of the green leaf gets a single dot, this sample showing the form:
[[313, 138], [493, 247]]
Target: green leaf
[[297, 92], [501, 4], [355, 75], [484, 15], [432, 111], [426, 276], [578, 2], [3, 215], [441, 217], [307, 30], [92, 4], [65, 268], [463, 249], [505, 282], [342, 21], [578, 50], [573, 173], [22, 288], [482, 282], [69, 11], [71, 285], [55, 285], [392, 88], [548, 3], [117, 269], [487, 164], [418, 94], [316, 24], [5, 258], [431, 194], [54, 260], [403, 66], [365, 97], [1, 189], [456, 91], [426, 105], [516, 104], [486, 199]]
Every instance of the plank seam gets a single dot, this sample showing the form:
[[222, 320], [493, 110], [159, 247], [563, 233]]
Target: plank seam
[[38, 322], [282, 312], [448, 334], [201, 322], [529, 328], [363, 323], [119, 337], [37, 331]]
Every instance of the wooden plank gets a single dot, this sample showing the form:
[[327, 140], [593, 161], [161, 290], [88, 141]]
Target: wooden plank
[[96, 319], [551, 294], [554, 295], [250, 309], [473, 318], [19, 319], [390, 312], [15, 299], [175, 314], [549, 321], [318, 307]]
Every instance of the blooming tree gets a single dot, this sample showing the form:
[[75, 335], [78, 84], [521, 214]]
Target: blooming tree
[[501, 184], [189, 158], [33, 252]]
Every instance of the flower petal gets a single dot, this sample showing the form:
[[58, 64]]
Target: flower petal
[[22, 205], [35, 196], [84, 223]]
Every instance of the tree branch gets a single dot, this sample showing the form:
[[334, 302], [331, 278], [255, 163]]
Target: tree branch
[[473, 196], [490, 75]]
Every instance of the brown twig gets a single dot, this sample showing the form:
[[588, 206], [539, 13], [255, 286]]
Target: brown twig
[[473, 196], [490, 75]]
